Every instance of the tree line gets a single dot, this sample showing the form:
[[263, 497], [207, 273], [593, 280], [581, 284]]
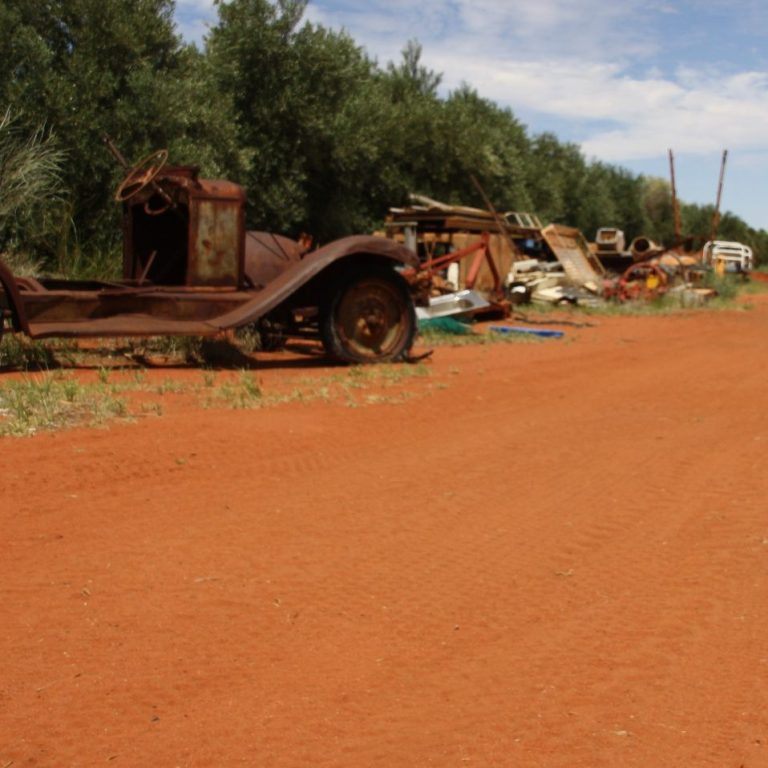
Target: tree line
[[323, 138]]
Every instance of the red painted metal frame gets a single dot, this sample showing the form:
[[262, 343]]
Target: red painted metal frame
[[480, 251]]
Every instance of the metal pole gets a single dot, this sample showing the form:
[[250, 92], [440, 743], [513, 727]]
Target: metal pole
[[716, 214], [114, 151], [500, 223], [675, 202]]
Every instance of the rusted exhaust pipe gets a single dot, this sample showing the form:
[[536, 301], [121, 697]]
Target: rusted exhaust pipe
[[643, 248]]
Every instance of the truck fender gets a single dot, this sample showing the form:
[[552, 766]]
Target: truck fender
[[313, 264]]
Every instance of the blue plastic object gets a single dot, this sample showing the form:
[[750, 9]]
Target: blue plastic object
[[543, 332]]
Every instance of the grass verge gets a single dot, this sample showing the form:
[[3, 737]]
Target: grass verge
[[49, 401], [54, 400]]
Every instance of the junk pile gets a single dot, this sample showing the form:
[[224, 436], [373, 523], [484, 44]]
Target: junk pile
[[463, 257], [480, 262], [474, 261], [577, 278], [669, 273], [646, 270]]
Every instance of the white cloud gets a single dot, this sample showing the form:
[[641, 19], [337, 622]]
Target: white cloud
[[698, 119], [582, 62]]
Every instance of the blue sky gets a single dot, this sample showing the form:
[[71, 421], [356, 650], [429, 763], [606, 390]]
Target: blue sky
[[624, 79]]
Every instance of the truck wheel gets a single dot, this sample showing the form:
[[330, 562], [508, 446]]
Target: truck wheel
[[370, 318]]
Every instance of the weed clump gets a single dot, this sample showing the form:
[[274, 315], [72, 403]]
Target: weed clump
[[54, 401]]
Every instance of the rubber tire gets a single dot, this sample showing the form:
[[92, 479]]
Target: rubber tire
[[383, 295]]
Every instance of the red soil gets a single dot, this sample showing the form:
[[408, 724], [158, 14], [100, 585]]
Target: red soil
[[552, 554]]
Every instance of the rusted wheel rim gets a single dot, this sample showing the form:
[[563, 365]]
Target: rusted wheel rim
[[371, 319], [634, 283]]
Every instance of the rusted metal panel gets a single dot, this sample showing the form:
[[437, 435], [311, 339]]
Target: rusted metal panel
[[267, 255], [301, 272], [196, 240], [96, 314], [57, 306], [11, 300], [490, 271], [215, 248], [572, 251]]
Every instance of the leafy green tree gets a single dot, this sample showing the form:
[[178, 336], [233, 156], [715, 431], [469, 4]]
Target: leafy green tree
[[252, 57], [627, 191], [598, 205], [89, 67], [479, 139], [611, 197], [697, 222], [324, 126], [340, 133], [410, 78], [323, 139], [657, 209], [556, 178]]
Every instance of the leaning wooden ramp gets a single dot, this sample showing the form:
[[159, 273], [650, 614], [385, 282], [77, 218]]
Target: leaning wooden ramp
[[572, 251]]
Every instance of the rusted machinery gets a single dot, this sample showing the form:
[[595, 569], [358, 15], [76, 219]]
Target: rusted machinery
[[190, 268]]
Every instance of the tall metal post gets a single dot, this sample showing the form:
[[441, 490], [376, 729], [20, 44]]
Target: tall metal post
[[716, 213], [675, 202]]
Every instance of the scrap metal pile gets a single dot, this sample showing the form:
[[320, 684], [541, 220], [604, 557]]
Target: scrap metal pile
[[479, 262]]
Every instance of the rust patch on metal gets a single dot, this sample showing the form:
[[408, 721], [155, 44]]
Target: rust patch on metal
[[213, 254]]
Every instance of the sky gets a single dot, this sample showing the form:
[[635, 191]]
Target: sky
[[626, 80]]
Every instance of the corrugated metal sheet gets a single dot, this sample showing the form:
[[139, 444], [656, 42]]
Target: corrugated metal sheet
[[572, 251]]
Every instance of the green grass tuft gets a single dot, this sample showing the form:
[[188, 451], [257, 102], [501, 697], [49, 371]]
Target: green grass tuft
[[54, 401]]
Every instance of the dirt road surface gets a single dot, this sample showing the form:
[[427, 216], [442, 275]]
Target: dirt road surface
[[550, 554]]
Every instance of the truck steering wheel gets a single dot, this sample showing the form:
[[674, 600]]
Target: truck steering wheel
[[141, 175]]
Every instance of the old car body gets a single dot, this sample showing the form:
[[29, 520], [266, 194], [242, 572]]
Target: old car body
[[190, 268]]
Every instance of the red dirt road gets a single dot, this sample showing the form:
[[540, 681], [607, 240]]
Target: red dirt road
[[551, 555]]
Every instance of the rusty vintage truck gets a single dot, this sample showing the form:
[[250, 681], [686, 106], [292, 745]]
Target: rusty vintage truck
[[191, 269]]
